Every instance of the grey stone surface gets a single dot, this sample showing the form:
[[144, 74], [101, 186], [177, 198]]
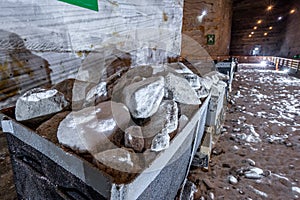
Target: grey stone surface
[[134, 138], [119, 159], [39, 102], [179, 90], [94, 128], [143, 97]]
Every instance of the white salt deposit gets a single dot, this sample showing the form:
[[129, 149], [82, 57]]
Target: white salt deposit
[[41, 94], [296, 189], [263, 194]]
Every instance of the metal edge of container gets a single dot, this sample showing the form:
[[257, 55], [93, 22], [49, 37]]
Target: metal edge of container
[[91, 175]]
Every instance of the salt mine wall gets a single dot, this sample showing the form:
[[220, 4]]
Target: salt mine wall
[[203, 19], [44, 42], [291, 43]]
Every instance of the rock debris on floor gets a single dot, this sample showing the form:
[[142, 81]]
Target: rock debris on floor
[[257, 154]]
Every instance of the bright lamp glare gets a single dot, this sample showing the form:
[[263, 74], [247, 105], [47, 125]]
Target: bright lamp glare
[[204, 12], [286, 70], [264, 63]]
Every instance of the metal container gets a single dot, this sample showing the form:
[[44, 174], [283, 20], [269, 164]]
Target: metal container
[[43, 170]]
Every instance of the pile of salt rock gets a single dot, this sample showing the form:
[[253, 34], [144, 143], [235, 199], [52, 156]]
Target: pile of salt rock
[[147, 106]]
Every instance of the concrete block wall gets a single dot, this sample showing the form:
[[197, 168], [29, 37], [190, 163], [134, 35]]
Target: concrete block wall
[[217, 22], [44, 42]]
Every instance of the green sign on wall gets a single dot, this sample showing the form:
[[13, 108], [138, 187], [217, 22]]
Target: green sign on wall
[[210, 39], [89, 4]]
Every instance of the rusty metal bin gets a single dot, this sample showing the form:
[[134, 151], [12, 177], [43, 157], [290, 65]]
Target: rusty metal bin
[[43, 170]]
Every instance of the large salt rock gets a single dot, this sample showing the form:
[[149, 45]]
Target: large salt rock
[[74, 91], [183, 120], [217, 89], [143, 97], [95, 94], [79, 91], [206, 82], [127, 78], [94, 128], [134, 138], [202, 92], [119, 159], [165, 119], [193, 80], [217, 75], [188, 110], [160, 142], [179, 90], [213, 77], [39, 103], [135, 74], [180, 68]]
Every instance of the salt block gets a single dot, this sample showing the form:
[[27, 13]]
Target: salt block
[[166, 118], [143, 97], [98, 91], [183, 120], [39, 103], [134, 138], [194, 80], [202, 92], [160, 142], [94, 128], [119, 159], [206, 82], [74, 91], [179, 90], [128, 77]]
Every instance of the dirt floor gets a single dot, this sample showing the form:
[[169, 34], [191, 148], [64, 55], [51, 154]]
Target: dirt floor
[[257, 154]]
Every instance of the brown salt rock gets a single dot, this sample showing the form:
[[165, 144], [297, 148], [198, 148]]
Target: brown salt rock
[[119, 159], [134, 138]]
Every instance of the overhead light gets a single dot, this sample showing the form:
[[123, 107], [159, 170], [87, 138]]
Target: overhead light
[[259, 21], [250, 35], [200, 17], [292, 11], [252, 32], [269, 8], [265, 34], [255, 27], [256, 48], [270, 28], [280, 18]]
